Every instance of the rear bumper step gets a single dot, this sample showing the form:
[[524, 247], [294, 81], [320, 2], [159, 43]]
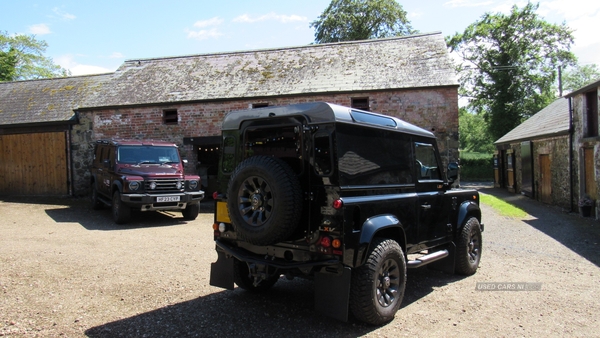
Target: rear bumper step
[[429, 258]]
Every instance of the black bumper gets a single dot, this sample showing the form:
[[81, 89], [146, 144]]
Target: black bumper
[[248, 257]]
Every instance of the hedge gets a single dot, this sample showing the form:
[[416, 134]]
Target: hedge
[[477, 169]]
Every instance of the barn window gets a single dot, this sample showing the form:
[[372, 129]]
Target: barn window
[[361, 103], [170, 116]]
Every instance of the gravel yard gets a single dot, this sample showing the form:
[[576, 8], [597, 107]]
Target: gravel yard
[[68, 270]]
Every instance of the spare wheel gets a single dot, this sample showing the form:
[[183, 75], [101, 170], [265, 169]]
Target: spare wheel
[[264, 200]]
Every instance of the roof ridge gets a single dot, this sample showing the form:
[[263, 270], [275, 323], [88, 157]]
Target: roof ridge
[[274, 49]]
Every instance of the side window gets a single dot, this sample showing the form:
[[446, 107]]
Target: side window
[[111, 156], [322, 155], [372, 156], [100, 154], [97, 156], [228, 157], [426, 162]]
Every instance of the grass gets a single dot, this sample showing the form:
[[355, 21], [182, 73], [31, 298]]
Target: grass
[[504, 208]]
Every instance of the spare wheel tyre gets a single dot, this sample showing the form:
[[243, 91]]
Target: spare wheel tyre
[[264, 200]]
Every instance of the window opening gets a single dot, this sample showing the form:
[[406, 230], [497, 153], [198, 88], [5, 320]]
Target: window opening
[[592, 113], [361, 103], [170, 116]]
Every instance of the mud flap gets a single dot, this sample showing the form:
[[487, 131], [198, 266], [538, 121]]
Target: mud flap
[[221, 271], [332, 294], [447, 264]]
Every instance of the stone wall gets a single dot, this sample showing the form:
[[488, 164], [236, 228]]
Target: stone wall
[[581, 141], [557, 149], [435, 110]]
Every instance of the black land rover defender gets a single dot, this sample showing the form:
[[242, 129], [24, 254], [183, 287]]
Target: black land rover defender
[[348, 198], [143, 175]]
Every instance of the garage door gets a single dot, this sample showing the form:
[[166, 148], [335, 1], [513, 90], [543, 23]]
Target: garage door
[[33, 164]]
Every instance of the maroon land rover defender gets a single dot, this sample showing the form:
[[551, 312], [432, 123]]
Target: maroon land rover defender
[[142, 175]]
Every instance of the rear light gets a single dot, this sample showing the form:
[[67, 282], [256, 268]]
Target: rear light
[[215, 195], [328, 245], [219, 227], [338, 204]]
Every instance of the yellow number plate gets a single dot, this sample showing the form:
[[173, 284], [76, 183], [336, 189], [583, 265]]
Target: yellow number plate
[[222, 214]]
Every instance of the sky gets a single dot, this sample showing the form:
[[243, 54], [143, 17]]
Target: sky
[[90, 37]]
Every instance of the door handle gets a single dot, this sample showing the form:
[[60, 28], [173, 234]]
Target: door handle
[[426, 206]]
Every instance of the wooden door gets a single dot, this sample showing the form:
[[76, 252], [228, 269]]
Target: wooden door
[[545, 179], [33, 164], [589, 171]]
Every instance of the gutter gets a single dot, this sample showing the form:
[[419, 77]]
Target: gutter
[[571, 131]]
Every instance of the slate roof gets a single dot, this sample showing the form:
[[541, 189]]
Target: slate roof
[[395, 63], [584, 89], [416, 61], [550, 121], [48, 100]]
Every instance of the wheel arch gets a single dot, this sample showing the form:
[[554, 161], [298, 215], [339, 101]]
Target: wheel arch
[[385, 226], [467, 209], [116, 186]]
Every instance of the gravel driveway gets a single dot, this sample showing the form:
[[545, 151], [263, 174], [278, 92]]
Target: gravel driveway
[[68, 270]]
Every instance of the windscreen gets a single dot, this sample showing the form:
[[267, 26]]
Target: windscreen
[[147, 155]]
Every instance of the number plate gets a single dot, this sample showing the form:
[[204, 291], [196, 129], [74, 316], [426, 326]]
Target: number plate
[[167, 199]]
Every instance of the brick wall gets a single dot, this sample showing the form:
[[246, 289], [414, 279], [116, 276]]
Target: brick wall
[[435, 110]]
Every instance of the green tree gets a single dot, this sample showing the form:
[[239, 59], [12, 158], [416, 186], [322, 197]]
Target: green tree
[[510, 65], [22, 58], [578, 76], [473, 131], [8, 65], [351, 20]]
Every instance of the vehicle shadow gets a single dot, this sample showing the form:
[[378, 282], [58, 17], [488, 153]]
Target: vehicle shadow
[[422, 281], [286, 310], [579, 234], [102, 219], [79, 210]]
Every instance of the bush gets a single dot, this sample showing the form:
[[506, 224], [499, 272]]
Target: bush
[[476, 167]]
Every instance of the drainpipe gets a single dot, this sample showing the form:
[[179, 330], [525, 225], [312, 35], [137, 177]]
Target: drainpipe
[[571, 131]]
